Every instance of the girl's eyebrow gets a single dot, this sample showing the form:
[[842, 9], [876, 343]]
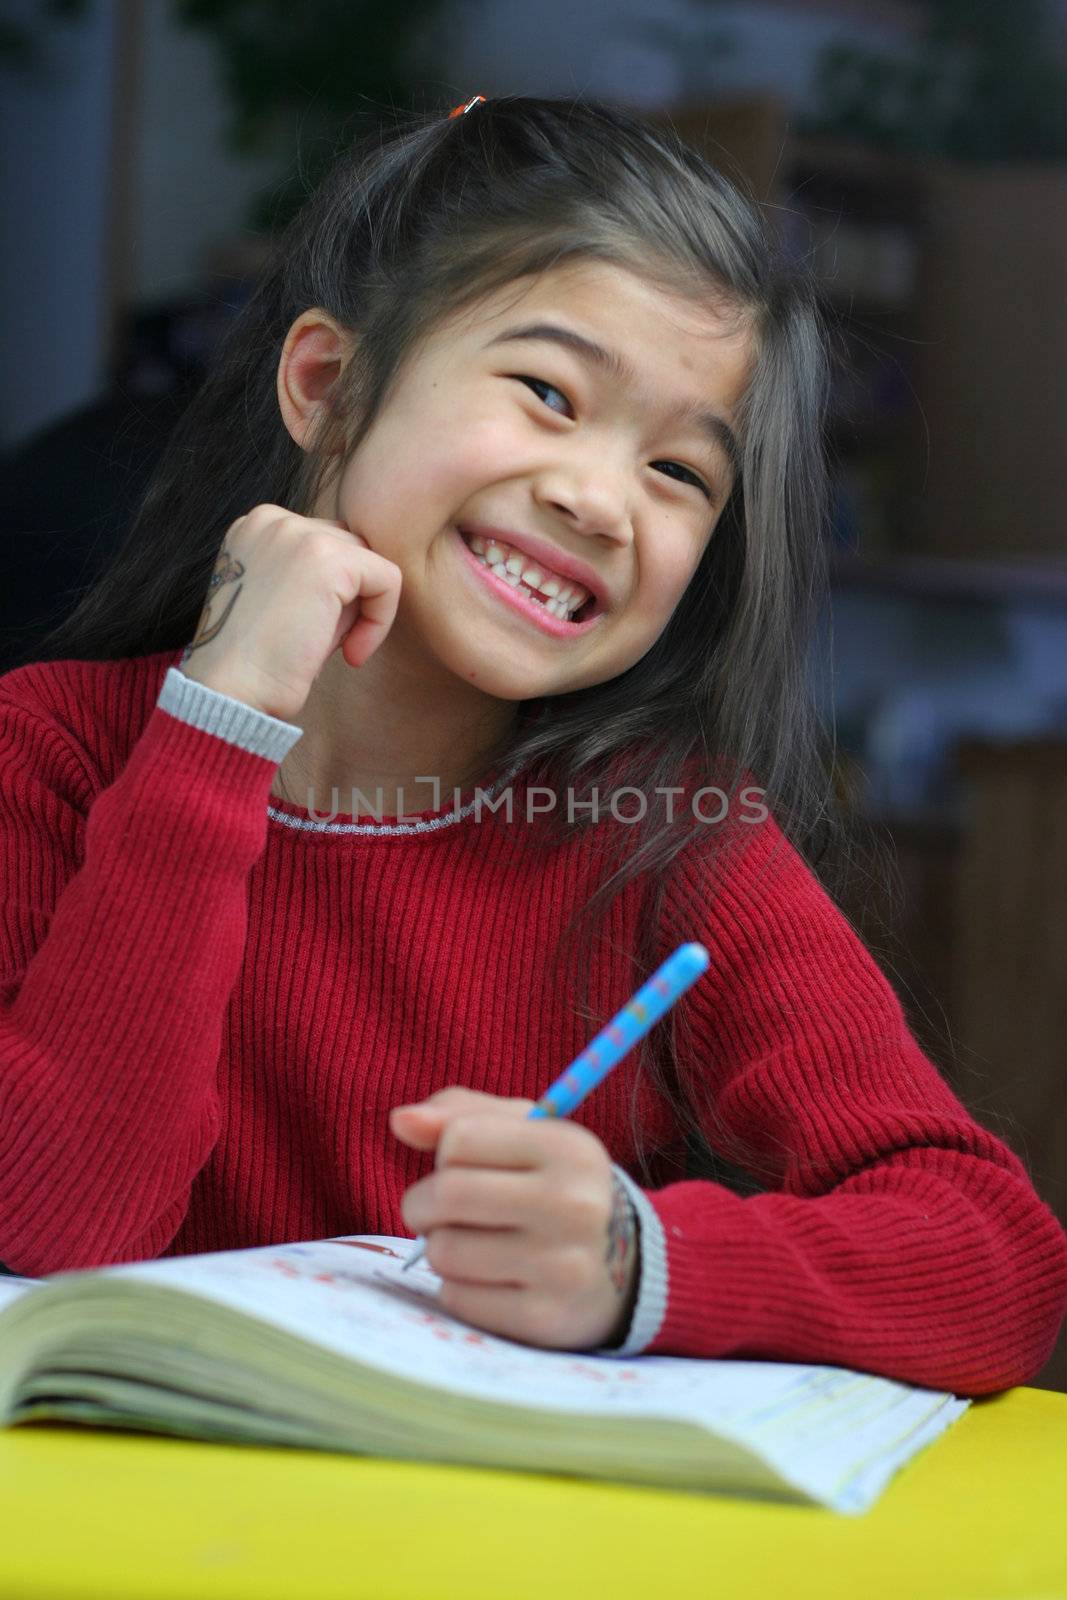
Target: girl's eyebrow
[[615, 366]]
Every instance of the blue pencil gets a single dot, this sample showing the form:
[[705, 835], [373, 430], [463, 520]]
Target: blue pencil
[[614, 1042]]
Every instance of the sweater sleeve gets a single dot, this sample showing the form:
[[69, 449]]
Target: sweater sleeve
[[122, 928], [895, 1234]]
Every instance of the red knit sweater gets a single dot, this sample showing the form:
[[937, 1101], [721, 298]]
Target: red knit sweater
[[208, 1004]]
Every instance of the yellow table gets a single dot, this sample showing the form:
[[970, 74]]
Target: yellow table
[[981, 1513]]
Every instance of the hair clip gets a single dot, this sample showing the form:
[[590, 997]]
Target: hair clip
[[462, 108]]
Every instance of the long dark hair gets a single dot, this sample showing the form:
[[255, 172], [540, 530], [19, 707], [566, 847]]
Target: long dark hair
[[417, 222]]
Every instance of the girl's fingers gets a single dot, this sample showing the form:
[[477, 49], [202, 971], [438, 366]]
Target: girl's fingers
[[465, 1198], [415, 1127], [498, 1308], [442, 1106], [477, 1256], [374, 609], [486, 1139]]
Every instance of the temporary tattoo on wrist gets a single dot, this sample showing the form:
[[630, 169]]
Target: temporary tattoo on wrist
[[227, 570], [622, 1237]]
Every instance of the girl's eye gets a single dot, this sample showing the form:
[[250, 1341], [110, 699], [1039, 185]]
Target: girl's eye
[[539, 383], [691, 476]]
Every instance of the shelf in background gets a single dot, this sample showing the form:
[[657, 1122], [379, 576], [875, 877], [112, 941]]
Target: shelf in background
[[943, 578], [851, 161]]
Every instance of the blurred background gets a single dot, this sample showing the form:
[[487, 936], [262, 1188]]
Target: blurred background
[[916, 153]]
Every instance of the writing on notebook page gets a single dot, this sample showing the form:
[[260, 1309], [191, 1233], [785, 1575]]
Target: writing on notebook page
[[406, 1302]]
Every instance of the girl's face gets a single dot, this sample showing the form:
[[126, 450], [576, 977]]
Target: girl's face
[[584, 473]]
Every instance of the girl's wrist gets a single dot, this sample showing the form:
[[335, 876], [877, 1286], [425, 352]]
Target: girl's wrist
[[624, 1261]]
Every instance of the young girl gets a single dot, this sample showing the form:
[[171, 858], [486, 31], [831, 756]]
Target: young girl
[[467, 612]]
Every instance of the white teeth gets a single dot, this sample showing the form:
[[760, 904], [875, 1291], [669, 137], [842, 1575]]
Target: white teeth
[[562, 597], [555, 607]]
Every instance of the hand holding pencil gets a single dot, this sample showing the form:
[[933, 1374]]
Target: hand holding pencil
[[526, 1218]]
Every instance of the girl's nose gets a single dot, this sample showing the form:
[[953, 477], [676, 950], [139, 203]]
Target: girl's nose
[[592, 499]]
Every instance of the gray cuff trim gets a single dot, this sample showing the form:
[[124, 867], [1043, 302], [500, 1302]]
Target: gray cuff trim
[[651, 1305], [207, 709]]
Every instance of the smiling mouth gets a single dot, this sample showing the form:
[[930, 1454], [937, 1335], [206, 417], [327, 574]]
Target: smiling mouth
[[583, 613]]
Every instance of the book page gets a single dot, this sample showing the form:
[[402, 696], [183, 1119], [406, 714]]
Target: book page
[[836, 1434], [828, 1425]]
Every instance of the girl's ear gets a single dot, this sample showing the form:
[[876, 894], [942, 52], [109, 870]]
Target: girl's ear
[[314, 355]]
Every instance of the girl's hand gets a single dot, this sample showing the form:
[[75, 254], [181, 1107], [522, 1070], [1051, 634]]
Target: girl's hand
[[526, 1223], [285, 592]]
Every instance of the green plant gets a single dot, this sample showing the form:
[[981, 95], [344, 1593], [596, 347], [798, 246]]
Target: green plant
[[302, 80], [984, 84], [22, 48], [310, 78]]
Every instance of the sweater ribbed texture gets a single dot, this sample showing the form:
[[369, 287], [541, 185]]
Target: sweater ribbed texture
[[209, 1002]]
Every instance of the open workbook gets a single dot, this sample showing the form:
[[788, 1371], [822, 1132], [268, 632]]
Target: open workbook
[[324, 1345]]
